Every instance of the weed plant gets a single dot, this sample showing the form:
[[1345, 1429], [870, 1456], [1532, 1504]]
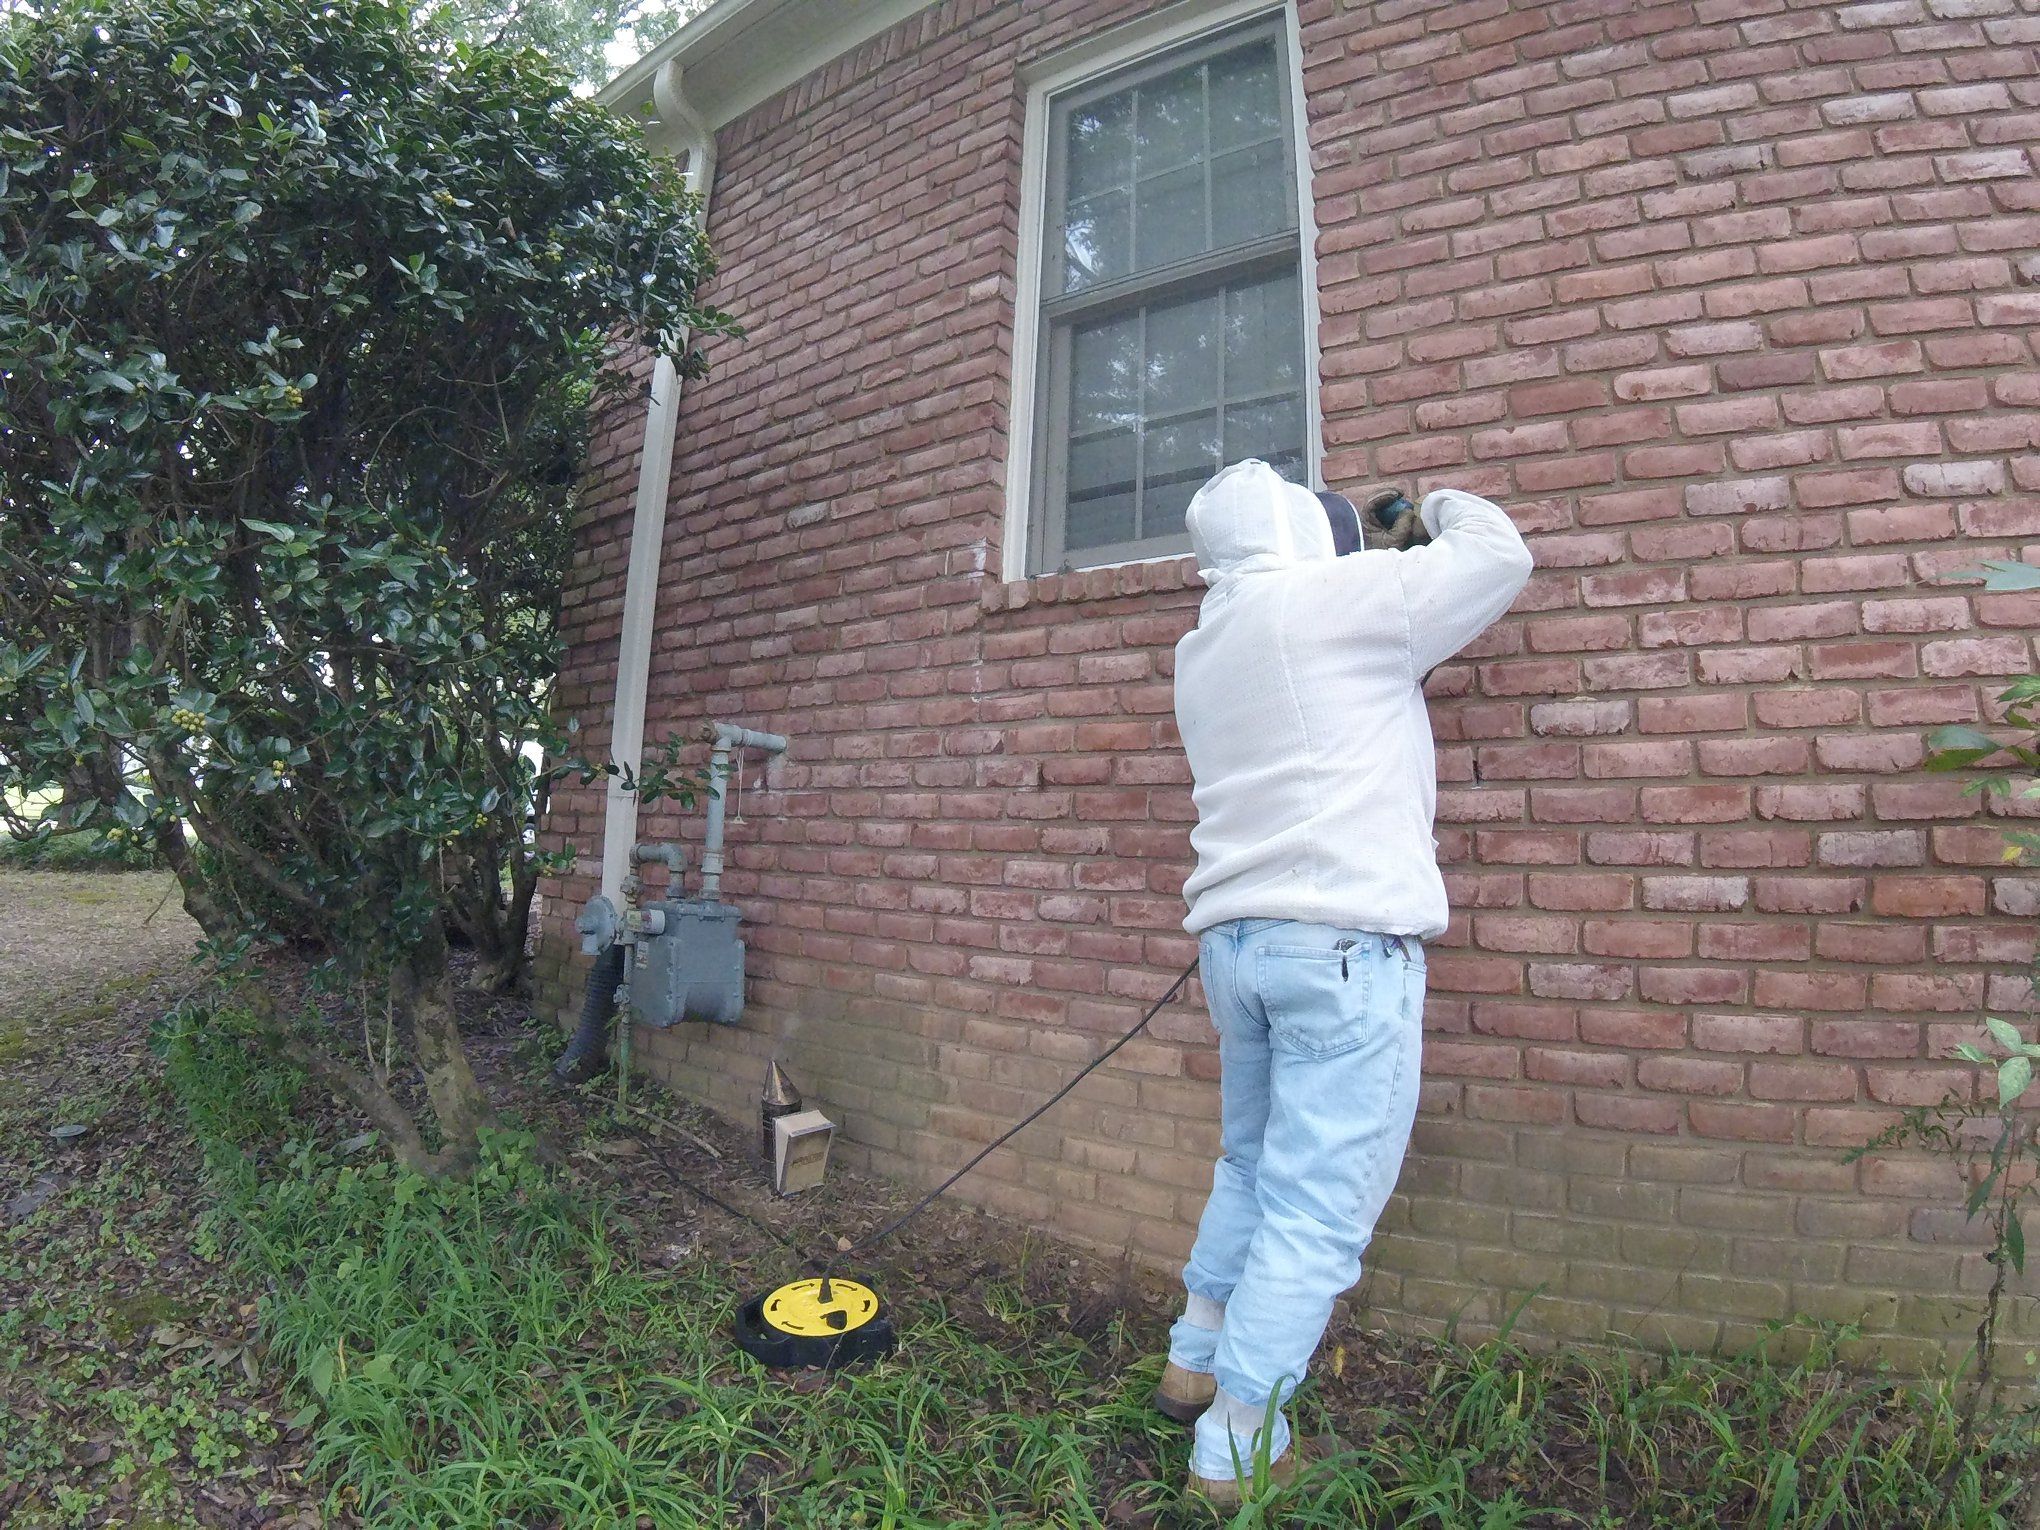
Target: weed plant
[[488, 1352]]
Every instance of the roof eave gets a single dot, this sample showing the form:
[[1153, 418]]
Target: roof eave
[[737, 53]]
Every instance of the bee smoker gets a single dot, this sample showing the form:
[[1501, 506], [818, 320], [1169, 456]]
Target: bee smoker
[[778, 1098]]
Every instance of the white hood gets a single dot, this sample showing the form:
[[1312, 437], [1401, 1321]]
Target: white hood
[[1298, 697], [1250, 518]]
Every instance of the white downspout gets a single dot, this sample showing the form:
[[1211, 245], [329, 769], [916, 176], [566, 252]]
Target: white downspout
[[648, 524]]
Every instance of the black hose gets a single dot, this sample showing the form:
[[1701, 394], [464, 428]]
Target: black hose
[[827, 1263], [583, 1058]]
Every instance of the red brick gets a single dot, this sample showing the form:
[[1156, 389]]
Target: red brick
[[1904, 523], [1692, 714], [1768, 942], [1870, 943], [1755, 848], [1867, 572], [1695, 804], [1689, 1075], [1603, 761], [1811, 990], [1976, 656], [1581, 719], [1812, 708], [1865, 1038], [1795, 623], [1580, 893], [1636, 938], [1866, 848], [1579, 980], [1934, 614], [1741, 1123], [1928, 897], [1692, 985], [1626, 1113], [1802, 1081], [1753, 756], [1748, 1035], [1640, 587], [1639, 1030], [1696, 894], [1629, 847], [1863, 661]]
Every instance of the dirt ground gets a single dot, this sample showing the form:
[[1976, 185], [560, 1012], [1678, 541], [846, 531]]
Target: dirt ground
[[71, 940]]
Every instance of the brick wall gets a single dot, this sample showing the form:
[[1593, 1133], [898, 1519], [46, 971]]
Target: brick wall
[[1734, 306]]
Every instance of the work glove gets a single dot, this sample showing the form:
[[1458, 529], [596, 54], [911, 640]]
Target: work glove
[[1389, 519]]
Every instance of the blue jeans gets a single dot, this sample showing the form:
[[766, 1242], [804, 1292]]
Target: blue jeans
[[1320, 1037]]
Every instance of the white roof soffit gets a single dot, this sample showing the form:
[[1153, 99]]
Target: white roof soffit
[[738, 53]]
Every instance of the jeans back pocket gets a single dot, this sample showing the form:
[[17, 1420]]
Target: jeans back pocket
[[1316, 999]]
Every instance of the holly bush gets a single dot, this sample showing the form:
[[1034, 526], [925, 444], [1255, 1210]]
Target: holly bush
[[302, 315]]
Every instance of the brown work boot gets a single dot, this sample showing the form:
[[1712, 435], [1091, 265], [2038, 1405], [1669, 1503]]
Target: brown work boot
[[1183, 1394], [1223, 1493]]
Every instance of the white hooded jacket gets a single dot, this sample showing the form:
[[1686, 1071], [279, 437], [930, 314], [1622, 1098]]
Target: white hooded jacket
[[1299, 699]]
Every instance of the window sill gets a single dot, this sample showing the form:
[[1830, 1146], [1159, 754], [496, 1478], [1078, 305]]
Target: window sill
[[1155, 576]]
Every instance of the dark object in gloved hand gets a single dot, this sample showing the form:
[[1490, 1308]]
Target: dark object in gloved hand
[[1389, 520], [1386, 521]]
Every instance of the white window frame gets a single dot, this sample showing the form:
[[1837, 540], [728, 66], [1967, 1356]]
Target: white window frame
[[1173, 26]]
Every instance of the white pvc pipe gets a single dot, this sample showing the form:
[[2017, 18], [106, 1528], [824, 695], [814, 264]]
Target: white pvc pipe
[[640, 598], [648, 532], [725, 737]]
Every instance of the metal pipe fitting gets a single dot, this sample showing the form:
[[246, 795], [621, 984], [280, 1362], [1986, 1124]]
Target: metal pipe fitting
[[725, 737], [668, 854]]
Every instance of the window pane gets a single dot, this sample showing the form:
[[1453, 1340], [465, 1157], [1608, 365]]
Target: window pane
[[1182, 355], [1171, 393], [1249, 195], [1102, 462], [1169, 219], [1272, 431], [1263, 337], [1246, 104], [1171, 168], [1163, 506], [1187, 447], [1105, 369], [1095, 241], [1099, 522], [1101, 147], [1169, 122]]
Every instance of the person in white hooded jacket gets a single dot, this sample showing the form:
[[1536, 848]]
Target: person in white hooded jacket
[[1299, 698]]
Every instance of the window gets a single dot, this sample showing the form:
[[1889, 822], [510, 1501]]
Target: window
[[1170, 323]]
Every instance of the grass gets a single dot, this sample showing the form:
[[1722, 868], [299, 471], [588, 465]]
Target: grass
[[494, 1352], [221, 1304], [81, 850]]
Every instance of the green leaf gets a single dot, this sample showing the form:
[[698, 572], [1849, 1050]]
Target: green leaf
[[320, 1372], [2013, 1076], [2007, 577], [2015, 1242], [2004, 1033], [1955, 748]]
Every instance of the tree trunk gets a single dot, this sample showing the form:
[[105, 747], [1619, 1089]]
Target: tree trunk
[[505, 966], [492, 923], [205, 910], [422, 989]]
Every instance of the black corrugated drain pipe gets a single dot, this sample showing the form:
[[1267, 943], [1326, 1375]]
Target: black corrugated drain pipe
[[583, 1058]]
